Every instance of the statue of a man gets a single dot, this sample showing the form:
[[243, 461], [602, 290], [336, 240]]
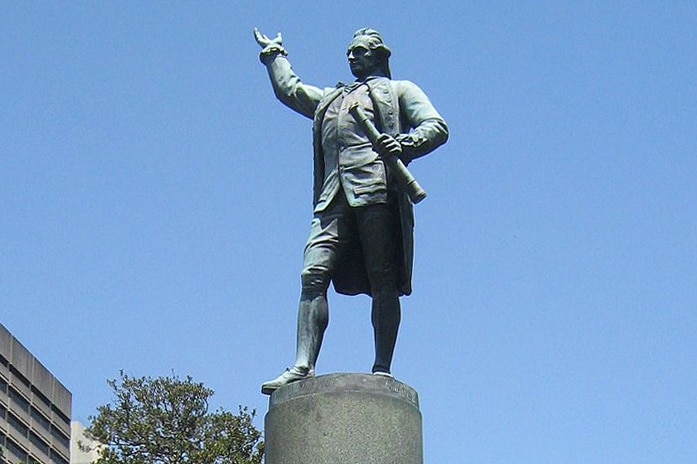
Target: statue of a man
[[361, 235]]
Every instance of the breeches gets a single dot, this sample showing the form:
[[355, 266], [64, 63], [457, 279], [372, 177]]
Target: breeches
[[341, 230]]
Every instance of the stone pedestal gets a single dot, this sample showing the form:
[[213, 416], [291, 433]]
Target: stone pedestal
[[344, 419]]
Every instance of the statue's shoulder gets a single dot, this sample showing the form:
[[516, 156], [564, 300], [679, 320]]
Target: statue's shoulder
[[402, 85], [384, 85], [329, 91]]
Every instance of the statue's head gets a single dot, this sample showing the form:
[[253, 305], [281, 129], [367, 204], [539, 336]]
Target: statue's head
[[368, 54]]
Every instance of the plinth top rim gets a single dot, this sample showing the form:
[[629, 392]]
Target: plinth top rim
[[346, 382]]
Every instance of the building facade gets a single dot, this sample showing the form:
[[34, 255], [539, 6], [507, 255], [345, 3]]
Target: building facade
[[83, 450], [34, 408]]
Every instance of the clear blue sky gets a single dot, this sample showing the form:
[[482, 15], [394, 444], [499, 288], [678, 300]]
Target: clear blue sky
[[155, 199]]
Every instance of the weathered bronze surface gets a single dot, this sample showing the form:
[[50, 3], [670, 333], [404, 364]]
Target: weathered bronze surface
[[361, 235]]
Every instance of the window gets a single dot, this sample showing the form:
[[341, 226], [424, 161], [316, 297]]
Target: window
[[39, 443], [57, 458], [61, 416], [58, 435], [19, 400], [17, 450], [41, 396], [19, 376], [18, 425], [39, 418]]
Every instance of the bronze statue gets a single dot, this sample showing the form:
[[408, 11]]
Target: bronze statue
[[361, 235]]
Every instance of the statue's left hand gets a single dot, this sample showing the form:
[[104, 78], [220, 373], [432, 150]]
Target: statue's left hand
[[386, 145]]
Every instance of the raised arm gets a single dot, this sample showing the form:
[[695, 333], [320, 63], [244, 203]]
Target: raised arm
[[287, 86]]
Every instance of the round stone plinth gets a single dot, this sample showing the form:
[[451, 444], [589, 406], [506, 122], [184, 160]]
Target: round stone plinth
[[344, 419]]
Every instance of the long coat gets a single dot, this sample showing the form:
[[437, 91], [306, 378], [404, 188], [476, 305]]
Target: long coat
[[403, 111]]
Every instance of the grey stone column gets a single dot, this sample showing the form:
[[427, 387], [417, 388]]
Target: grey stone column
[[344, 419]]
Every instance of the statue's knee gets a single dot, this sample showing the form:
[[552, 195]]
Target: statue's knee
[[314, 283]]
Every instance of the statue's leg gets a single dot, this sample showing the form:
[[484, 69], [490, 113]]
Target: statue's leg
[[378, 226], [386, 316], [313, 318], [313, 311], [323, 248]]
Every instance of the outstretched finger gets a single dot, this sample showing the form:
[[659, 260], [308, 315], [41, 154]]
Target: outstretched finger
[[260, 38]]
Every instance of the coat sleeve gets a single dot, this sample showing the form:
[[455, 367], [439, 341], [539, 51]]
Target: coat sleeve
[[428, 129], [288, 87]]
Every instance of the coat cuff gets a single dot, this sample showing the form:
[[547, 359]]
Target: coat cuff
[[271, 51]]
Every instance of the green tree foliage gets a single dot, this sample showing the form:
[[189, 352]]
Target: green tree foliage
[[165, 420]]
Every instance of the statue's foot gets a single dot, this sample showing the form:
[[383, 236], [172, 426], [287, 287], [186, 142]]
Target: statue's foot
[[289, 376]]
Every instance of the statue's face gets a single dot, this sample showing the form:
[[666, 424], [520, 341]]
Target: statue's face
[[362, 61]]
